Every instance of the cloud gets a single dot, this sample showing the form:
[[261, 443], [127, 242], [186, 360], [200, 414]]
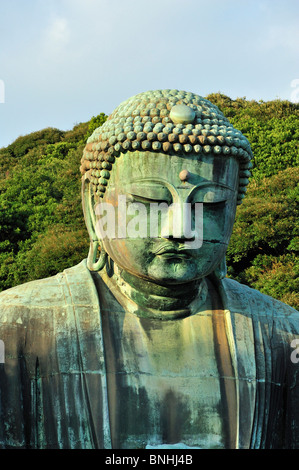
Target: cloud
[[295, 93], [286, 36], [57, 34]]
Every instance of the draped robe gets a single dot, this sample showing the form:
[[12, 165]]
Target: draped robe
[[53, 383]]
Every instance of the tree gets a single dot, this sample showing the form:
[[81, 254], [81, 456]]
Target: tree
[[263, 250]]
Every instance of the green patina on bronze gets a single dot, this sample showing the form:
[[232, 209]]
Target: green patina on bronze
[[147, 343], [161, 121], [147, 176]]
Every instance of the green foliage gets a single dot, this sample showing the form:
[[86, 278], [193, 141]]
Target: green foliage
[[58, 248], [23, 144], [94, 123], [77, 134], [267, 220], [42, 230], [263, 250], [276, 276], [272, 129]]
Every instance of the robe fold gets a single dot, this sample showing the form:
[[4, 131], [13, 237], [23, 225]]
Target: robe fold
[[53, 383]]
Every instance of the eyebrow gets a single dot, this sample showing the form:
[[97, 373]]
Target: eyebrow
[[166, 184], [212, 183]]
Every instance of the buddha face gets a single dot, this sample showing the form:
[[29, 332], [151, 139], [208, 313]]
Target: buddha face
[[205, 188]]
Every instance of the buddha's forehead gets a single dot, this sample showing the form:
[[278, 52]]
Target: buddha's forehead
[[141, 167]]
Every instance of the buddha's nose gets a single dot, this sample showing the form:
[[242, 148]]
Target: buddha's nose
[[178, 223]]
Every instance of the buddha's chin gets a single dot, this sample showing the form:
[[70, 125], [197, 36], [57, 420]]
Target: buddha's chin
[[174, 271]]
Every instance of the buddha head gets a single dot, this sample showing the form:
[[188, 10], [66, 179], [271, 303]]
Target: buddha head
[[169, 170]]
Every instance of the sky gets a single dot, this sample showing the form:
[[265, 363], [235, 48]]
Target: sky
[[64, 61]]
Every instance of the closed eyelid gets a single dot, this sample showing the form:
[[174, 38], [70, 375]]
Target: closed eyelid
[[154, 192], [211, 198], [146, 199], [210, 194]]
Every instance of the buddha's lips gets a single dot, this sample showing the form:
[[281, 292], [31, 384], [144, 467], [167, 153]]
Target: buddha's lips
[[170, 248]]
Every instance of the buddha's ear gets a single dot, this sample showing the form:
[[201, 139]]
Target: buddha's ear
[[220, 272], [88, 202]]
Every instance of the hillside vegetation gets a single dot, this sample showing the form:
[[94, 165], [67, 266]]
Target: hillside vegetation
[[42, 229]]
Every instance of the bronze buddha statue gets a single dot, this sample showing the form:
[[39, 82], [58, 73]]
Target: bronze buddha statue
[[147, 344]]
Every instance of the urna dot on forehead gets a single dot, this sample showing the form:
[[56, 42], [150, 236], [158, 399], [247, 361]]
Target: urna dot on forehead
[[169, 122]]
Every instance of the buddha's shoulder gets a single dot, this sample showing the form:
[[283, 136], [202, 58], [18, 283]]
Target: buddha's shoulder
[[244, 298], [50, 292], [33, 292]]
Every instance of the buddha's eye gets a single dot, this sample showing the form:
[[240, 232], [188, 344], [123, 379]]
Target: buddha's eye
[[215, 204], [146, 200]]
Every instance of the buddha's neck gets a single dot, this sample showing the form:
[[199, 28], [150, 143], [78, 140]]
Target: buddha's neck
[[149, 299]]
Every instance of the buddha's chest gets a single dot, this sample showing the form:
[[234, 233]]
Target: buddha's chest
[[164, 385]]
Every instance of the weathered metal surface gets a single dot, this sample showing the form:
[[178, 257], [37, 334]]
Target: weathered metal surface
[[146, 344], [144, 122]]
